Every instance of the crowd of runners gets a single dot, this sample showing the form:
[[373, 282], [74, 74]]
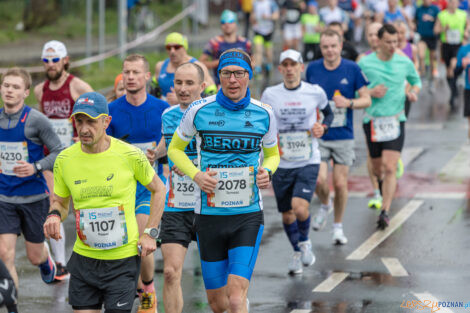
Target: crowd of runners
[[181, 153]]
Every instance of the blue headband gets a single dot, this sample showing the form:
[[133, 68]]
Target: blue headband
[[235, 58]]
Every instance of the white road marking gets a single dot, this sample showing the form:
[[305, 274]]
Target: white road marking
[[373, 241], [300, 311], [331, 282], [441, 195], [427, 296], [458, 167], [394, 267]]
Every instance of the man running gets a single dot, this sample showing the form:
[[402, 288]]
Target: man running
[[295, 104], [384, 121], [56, 96], [137, 119], [24, 194], [231, 130], [177, 221], [341, 79], [176, 46], [100, 174], [425, 18], [228, 40]]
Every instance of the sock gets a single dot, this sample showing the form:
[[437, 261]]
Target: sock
[[337, 225], [148, 286], [326, 207], [304, 228], [58, 247], [380, 185], [46, 266], [377, 193], [292, 231]]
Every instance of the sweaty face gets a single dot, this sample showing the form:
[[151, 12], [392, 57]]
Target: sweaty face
[[90, 131], [13, 91], [330, 48], [187, 86], [291, 71], [135, 76], [234, 88]]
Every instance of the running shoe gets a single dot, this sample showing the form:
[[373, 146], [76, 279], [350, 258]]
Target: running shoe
[[307, 257], [400, 169], [375, 203], [295, 265], [319, 221], [338, 237], [48, 270], [61, 273], [148, 303], [383, 220]]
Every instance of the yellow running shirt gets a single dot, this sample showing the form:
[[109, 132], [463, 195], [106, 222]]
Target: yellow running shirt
[[102, 187]]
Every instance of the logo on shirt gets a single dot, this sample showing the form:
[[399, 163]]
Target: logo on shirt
[[247, 113], [219, 113], [248, 124], [344, 81], [217, 123], [80, 181], [237, 142], [110, 176]]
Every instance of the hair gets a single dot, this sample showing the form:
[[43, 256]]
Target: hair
[[336, 23], [135, 58], [19, 72], [387, 28], [331, 33], [199, 70]]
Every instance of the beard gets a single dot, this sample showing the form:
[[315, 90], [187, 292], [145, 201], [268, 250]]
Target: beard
[[53, 77]]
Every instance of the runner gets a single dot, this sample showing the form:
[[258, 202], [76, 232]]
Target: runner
[[264, 16], [348, 52], [291, 11], [56, 96], [311, 28], [118, 90], [8, 291], [425, 18], [176, 46], [137, 118], [99, 174], [23, 190], [384, 122], [231, 129], [341, 79], [372, 36], [228, 40], [177, 221], [295, 104], [451, 26]]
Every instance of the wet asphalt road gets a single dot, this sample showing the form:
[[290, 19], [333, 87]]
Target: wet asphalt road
[[428, 245]]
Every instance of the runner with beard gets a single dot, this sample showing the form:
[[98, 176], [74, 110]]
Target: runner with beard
[[56, 96]]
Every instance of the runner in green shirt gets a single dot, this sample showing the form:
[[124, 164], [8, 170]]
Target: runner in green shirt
[[311, 28]]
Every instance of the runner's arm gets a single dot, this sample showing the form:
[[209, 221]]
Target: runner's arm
[[328, 116], [364, 100], [58, 212], [45, 136], [271, 158], [179, 158], [157, 201], [161, 150]]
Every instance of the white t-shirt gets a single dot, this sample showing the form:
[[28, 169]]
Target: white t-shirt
[[262, 8], [296, 112], [328, 15]]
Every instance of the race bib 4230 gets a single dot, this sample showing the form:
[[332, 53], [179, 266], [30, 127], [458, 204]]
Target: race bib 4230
[[234, 187], [10, 154]]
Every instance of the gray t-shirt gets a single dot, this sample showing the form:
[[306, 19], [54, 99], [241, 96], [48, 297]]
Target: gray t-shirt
[[39, 130]]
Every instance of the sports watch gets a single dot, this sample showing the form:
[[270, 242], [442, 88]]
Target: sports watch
[[152, 232]]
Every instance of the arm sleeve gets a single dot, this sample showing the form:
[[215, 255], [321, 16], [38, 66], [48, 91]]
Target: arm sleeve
[[271, 158], [60, 188], [143, 171], [179, 158]]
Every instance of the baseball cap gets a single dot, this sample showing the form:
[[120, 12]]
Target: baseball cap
[[57, 46], [176, 39], [92, 104], [228, 17], [291, 54]]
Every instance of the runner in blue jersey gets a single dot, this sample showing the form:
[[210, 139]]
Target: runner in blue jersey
[[136, 118], [177, 221], [176, 46], [425, 18], [341, 79], [231, 130], [295, 105], [228, 40]]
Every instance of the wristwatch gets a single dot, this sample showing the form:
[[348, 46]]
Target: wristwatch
[[351, 104], [270, 173], [152, 232], [325, 128], [37, 167]]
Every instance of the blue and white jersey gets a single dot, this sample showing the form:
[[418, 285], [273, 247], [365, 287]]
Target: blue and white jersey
[[230, 143], [296, 113], [180, 190]]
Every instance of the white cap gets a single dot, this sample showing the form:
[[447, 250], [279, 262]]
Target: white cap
[[291, 54], [58, 47]]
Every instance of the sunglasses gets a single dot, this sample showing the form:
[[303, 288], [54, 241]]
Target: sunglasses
[[176, 47], [227, 22], [49, 60]]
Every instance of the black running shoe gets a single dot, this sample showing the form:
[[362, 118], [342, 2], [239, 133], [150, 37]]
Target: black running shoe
[[61, 273], [383, 220]]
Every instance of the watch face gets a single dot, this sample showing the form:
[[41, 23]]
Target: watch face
[[153, 233]]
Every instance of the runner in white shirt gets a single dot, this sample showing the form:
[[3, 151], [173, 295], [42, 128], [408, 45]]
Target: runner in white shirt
[[295, 105]]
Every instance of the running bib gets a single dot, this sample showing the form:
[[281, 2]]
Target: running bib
[[145, 145], [385, 128], [453, 36], [102, 228], [10, 154], [234, 187], [64, 129], [182, 192], [292, 16], [340, 119], [296, 146]]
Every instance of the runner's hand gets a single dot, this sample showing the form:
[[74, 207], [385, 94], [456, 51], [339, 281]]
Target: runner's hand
[[341, 102], [378, 91], [151, 155], [177, 170], [317, 130], [24, 169], [148, 245], [262, 178], [205, 181], [52, 227], [413, 97], [171, 97]]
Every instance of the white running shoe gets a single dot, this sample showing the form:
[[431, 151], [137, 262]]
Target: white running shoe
[[295, 265], [338, 237], [319, 221], [307, 256]]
